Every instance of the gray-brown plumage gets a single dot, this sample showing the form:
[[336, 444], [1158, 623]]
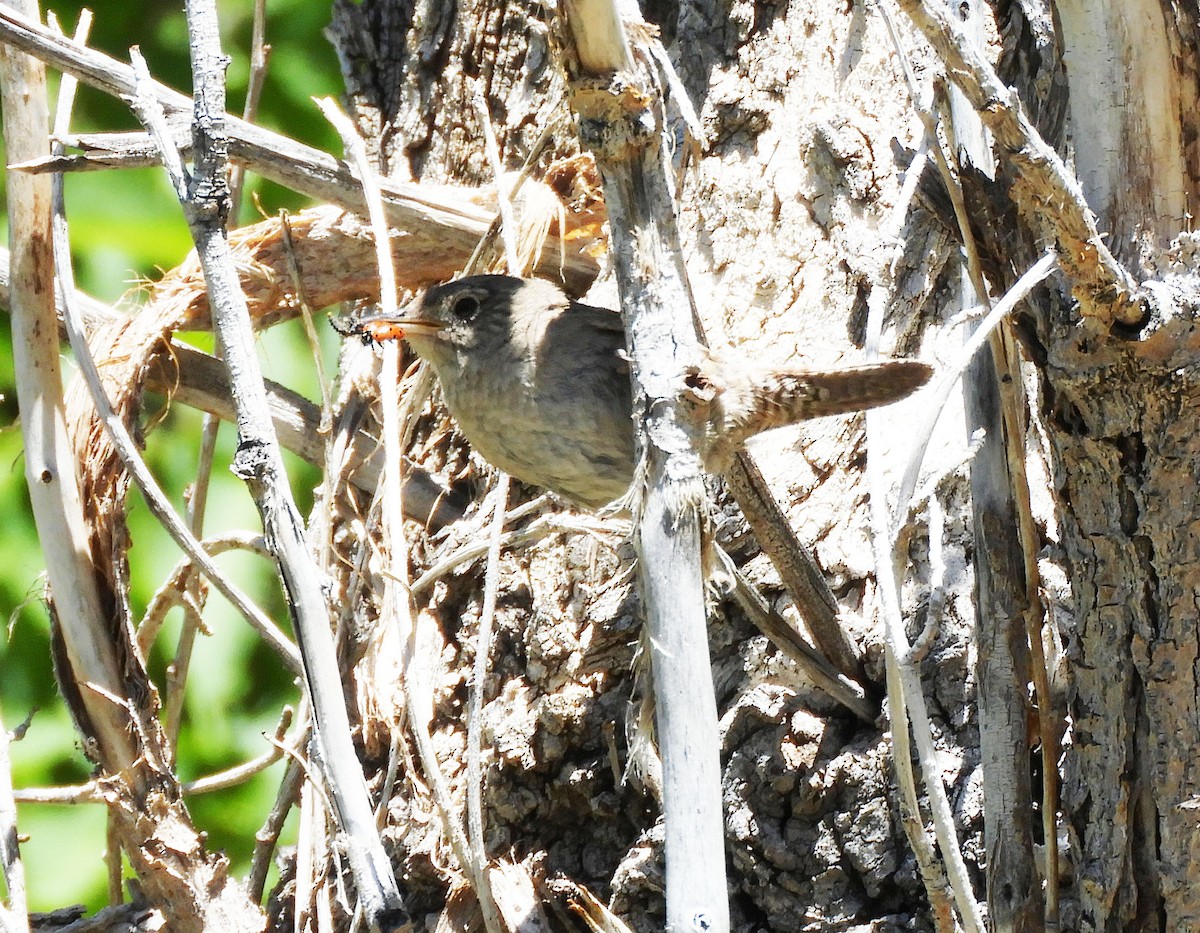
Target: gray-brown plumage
[[540, 385]]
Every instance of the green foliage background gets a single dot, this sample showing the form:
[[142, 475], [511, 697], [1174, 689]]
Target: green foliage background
[[126, 225]]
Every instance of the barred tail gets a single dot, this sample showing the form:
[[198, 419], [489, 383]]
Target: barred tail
[[782, 398]]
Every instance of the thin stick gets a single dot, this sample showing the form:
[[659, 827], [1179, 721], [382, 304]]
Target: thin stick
[[306, 312], [397, 598], [939, 393], [904, 700], [491, 585], [1035, 620], [789, 640], [535, 152], [260, 52], [508, 221], [267, 837], [483, 646], [193, 598], [239, 774], [155, 498], [14, 917]]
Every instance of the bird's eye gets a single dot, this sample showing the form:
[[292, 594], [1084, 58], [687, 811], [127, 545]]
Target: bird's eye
[[465, 308]]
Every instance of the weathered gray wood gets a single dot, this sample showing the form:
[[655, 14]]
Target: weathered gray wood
[[1014, 888], [205, 201], [1119, 409], [619, 104]]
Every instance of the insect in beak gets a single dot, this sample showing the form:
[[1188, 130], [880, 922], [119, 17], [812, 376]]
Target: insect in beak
[[382, 327]]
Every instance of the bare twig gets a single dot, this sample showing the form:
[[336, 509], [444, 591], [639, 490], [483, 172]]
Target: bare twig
[[904, 700], [491, 584], [940, 392], [483, 650], [507, 220], [196, 592], [306, 312], [267, 837], [259, 53], [802, 578], [14, 918], [792, 643], [177, 671], [239, 774]]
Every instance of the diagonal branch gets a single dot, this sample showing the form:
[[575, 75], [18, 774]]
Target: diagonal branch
[[205, 200], [1045, 190], [448, 222]]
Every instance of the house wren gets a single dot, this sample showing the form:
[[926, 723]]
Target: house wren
[[539, 385]]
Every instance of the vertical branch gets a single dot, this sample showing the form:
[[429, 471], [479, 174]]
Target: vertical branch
[[616, 97], [1013, 886], [49, 461], [993, 402]]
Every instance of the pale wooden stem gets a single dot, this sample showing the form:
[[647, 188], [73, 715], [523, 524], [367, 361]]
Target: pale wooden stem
[[49, 462], [617, 98], [14, 918]]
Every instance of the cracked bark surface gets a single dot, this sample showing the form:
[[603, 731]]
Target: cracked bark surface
[[804, 148]]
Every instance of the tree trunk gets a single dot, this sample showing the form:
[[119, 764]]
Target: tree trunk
[[807, 131]]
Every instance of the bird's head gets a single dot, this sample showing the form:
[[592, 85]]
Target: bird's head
[[466, 317]]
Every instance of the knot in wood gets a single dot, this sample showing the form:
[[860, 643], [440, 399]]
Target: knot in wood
[[250, 461], [617, 120]]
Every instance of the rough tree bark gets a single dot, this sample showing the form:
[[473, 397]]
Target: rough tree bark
[[806, 128], [1120, 417], [1118, 409], [780, 221]]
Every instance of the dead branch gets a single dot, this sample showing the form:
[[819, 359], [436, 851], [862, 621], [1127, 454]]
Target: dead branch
[[1046, 190], [617, 96], [444, 222], [205, 202]]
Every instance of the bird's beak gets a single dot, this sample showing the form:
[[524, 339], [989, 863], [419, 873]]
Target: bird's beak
[[393, 326]]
